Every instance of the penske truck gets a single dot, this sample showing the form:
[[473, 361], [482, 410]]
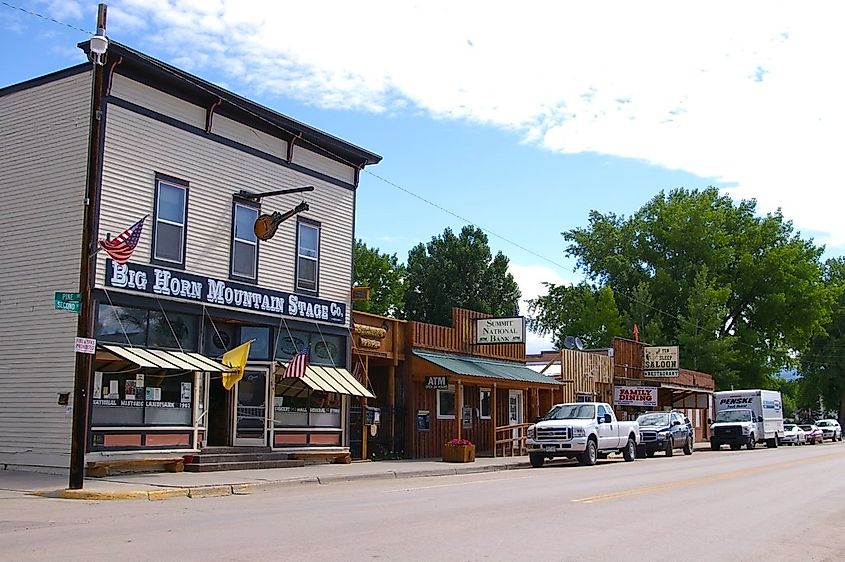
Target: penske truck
[[745, 418]]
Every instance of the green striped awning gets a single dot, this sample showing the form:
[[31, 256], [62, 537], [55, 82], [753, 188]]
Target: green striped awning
[[486, 368]]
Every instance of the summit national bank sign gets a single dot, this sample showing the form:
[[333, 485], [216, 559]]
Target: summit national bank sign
[[207, 290]]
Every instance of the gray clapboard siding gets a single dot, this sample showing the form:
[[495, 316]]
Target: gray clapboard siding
[[137, 147], [320, 163], [44, 144]]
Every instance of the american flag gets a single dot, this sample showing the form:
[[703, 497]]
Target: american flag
[[120, 248], [298, 364]]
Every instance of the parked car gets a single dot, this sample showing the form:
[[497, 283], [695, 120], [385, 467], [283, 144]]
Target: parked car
[[793, 435], [813, 433], [831, 429], [665, 432], [586, 431]]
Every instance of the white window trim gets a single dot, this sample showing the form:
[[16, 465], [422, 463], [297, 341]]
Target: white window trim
[[440, 416], [481, 392], [242, 241], [315, 259], [181, 225]]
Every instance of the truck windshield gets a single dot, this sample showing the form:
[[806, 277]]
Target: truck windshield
[[733, 416], [572, 412], [653, 419]]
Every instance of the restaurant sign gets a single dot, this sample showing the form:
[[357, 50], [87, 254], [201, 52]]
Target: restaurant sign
[[635, 395], [660, 361], [207, 290]]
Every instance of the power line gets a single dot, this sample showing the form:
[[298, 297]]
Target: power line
[[46, 18]]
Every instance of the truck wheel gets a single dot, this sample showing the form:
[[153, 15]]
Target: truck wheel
[[629, 453], [752, 441], [588, 457], [650, 454], [735, 446], [715, 446], [670, 447], [536, 460], [770, 444], [688, 446]]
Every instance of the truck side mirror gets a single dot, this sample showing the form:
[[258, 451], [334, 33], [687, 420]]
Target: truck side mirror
[[608, 419], [539, 419], [676, 422], [709, 421]]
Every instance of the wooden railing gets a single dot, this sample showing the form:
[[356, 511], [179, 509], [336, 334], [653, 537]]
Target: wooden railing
[[510, 440]]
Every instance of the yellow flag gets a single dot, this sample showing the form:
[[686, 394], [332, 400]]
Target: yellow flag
[[236, 360]]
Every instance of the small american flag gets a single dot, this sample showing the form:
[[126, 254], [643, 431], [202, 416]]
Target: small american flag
[[298, 364], [120, 249]]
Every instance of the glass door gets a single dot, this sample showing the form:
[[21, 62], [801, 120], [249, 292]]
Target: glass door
[[251, 408], [515, 415]]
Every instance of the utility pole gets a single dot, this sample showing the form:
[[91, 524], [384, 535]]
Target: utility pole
[[87, 263]]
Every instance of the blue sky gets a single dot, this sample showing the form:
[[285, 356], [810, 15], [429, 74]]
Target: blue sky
[[518, 121]]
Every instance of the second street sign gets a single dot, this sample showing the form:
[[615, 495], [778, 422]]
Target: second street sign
[[72, 302]]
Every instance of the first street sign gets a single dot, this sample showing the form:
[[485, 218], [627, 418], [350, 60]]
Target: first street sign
[[72, 302]]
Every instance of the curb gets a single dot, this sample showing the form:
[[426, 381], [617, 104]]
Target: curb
[[196, 492]]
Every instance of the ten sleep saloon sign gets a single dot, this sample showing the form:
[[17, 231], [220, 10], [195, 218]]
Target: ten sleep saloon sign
[[499, 330], [660, 361], [635, 395]]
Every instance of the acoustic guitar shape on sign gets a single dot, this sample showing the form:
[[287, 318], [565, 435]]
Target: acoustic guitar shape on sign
[[265, 226]]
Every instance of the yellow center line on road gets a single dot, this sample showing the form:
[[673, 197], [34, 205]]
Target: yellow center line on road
[[703, 480]]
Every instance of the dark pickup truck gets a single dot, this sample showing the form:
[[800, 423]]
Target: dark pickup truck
[[665, 432]]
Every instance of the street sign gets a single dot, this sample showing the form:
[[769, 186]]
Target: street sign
[[72, 302], [85, 345]]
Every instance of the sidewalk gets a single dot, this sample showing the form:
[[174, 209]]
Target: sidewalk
[[163, 485]]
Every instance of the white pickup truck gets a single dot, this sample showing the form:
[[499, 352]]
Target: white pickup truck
[[586, 431]]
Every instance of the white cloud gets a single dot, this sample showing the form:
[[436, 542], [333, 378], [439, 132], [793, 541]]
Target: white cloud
[[748, 93], [530, 279]]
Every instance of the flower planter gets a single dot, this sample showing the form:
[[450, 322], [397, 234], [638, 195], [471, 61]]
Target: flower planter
[[458, 453]]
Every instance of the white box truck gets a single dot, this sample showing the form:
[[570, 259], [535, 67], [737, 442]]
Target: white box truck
[[746, 417]]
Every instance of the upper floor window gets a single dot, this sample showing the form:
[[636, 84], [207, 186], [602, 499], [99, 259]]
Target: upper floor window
[[307, 256], [171, 214], [244, 261]]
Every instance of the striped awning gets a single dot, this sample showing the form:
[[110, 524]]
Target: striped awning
[[320, 377], [111, 357]]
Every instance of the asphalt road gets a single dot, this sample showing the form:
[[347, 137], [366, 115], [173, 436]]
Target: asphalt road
[[768, 504]]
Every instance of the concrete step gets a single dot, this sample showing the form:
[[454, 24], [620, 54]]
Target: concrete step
[[243, 465], [205, 458], [224, 450]]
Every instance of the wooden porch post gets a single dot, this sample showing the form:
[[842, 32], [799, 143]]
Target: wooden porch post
[[459, 401], [364, 432], [493, 419], [391, 403]]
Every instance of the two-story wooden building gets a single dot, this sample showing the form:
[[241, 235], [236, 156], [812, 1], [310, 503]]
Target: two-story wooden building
[[190, 157]]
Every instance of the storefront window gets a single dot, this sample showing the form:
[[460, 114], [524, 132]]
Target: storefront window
[[147, 328], [218, 338], [484, 400], [119, 323], [446, 403], [142, 399], [296, 406], [172, 331], [260, 348], [326, 349]]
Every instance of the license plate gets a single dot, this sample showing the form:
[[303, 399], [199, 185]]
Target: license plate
[[549, 447]]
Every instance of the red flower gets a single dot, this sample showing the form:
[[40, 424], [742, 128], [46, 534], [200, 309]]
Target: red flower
[[459, 442]]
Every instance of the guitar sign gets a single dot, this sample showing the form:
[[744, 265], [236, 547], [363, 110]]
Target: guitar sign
[[265, 226]]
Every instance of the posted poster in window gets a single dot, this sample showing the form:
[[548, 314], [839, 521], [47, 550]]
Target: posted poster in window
[[129, 389], [466, 417], [98, 385], [113, 389], [153, 394], [186, 392], [423, 420]]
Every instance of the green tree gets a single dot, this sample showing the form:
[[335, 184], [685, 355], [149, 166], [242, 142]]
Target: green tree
[[458, 271], [576, 310], [385, 277], [740, 292], [823, 362]]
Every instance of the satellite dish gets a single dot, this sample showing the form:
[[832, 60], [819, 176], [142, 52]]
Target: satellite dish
[[579, 343], [569, 342]]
